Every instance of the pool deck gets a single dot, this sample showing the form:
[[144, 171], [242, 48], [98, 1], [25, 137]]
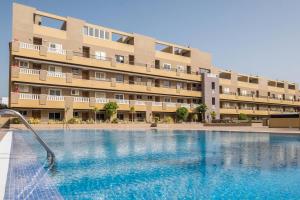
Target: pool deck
[[257, 128]]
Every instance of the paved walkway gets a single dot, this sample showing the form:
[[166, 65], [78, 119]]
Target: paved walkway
[[185, 126]]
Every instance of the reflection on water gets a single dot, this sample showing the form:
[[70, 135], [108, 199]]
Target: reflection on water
[[184, 164]]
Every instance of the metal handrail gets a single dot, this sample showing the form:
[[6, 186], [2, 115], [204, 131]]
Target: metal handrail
[[50, 154]]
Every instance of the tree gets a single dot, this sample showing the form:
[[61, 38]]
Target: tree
[[110, 109], [132, 111], [213, 115], [242, 116], [195, 117], [182, 113], [202, 108], [95, 110], [3, 106]]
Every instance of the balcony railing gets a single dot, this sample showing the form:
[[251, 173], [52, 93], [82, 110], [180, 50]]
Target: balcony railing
[[81, 99], [56, 74], [102, 100], [29, 71], [57, 51], [29, 96], [24, 45], [55, 98]]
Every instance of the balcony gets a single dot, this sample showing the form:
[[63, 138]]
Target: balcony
[[236, 111], [26, 100], [65, 79], [78, 58], [250, 98]]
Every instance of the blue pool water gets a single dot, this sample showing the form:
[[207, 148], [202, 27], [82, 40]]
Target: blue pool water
[[162, 165]]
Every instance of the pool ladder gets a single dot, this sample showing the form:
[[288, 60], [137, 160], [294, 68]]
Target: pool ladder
[[50, 154]]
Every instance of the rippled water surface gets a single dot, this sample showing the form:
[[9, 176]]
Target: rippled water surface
[[172, 164]]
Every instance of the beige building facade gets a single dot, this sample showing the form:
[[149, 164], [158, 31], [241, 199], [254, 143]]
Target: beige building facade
[[63, 67]]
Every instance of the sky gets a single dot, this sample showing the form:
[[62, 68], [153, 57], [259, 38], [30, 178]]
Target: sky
[[249, 36]]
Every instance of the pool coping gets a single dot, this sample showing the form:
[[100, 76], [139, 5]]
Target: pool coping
[[5, 149]]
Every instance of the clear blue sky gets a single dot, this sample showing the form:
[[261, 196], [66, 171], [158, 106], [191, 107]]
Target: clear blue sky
[[254, 37]]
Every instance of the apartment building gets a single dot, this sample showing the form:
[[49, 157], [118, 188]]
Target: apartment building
[[63, 67]]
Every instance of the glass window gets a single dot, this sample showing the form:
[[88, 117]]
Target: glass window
[[150, 98], [180, 68], [167, 99], [226, 90], [213, 85], [75, 114], [75, 92], [119, 59], [106, 35], [179, 100], [91, 31], [167, 66], [100, 76], [23, 112], [119, 96], [179, 85], [52, 68], [54, 116], [23, 64], [55, 92], [213, 101], [23, 88], [119, 78], [102, 34], [100, 55], [100, 95], [96, 32], [139, 97], [75, 71], [167, 84], [85, 30]]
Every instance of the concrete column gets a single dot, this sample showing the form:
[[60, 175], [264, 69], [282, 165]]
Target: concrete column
[[149, 112], [113, 82], [149, 85], [43, 75], [69, 101], [43, 99], [164, 106], [43, 51], [15, 71], [69, 55], [131, 103], [69, 77], [178, 72], [15, 46], [92, 101], [14, 98]]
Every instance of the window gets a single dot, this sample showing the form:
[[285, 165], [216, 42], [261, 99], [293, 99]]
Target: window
[[106, 35], [23, 64], [75, 92], [138, 79], [54, 46], [167, 66], [139, 97], [213, 101], [179, 85], [119, 78], [120, 116], [180, 68], [100, 95], [150, 98], [52, 68], [54, 116], [167, 84], [119, 96], [100, 75], [226, 90], [85, 30], [91, 31], [179, 100], [244, 92], [167, 99], [75, 71], [213, 85], [279, 96], [76, 114], [54, 92], [23, 112], [119, 59], [100, 55], [96, 32], [23, 88]]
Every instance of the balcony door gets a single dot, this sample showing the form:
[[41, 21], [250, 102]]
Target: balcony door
[[36, 90], [55, 92]]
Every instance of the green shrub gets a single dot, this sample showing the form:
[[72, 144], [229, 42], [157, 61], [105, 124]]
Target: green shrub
[[110, 109], [90, 121], [156, 119], [15, 121], [115, 121], [182, 114], [213, 115], [168, 120], [33, 121], [75, 120], [242, 116]]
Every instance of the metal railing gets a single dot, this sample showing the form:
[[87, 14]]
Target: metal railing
[[50, 154]]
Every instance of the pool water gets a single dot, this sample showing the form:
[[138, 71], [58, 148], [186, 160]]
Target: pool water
[[151, 164]]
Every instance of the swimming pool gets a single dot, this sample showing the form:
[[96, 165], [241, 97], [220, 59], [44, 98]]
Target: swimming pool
[[156, 165]]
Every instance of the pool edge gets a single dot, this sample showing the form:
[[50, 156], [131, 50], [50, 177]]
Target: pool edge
[[5, 149]]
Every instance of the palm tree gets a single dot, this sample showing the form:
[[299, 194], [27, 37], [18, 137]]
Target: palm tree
[[132, 111], [95, 110], [202, 108]]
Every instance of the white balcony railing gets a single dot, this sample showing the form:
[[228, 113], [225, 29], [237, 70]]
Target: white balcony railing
[[81, 99], [29, 71], [186, 105], [170, 104], [57, 51], [140, 103], [29, 96], [154, 103], [122, 101], [56, 74], [101, 100], [24, 45], [55, 98]]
